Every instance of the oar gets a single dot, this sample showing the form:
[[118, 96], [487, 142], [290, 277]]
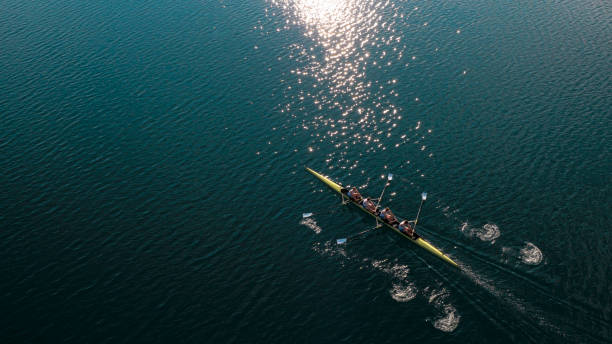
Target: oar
[[389, 178], [423, 198], [344, 240]]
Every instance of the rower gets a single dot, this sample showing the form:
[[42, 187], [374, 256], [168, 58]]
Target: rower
[[354, 194], [369, 205], [405, 227], [388, 216]]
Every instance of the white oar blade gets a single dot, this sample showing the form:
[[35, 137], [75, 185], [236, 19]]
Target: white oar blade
[[341, 241], [305, 215], [390, 176], [424, 196]]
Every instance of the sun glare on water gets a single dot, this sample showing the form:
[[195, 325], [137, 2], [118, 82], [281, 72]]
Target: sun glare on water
[[342, 88]]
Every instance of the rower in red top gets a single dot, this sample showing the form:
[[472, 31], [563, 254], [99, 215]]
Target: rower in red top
[[406, 228], [354, 194], [388, 216], [369, 205]]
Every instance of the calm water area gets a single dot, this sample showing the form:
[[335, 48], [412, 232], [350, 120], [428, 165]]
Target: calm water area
[[153, 188]]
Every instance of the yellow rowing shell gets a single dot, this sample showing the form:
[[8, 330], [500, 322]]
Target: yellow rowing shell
[[419, 241]]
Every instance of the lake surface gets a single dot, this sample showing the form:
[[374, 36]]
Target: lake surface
[[153, 182]]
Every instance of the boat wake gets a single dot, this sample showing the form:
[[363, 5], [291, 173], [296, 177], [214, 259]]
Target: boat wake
[[397, 271], [329, 249], [312, 224], [524, 314], [449, 318], [401, 289], [526, 310], [489, 232], [531, 254], [403, 292], [480, 281], [448, 212]]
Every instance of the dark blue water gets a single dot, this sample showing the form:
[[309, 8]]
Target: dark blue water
[[153, 185]]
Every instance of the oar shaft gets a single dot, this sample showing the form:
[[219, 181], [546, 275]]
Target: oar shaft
[[344, 240], [361, 233], [381, 195], [418, 213]]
